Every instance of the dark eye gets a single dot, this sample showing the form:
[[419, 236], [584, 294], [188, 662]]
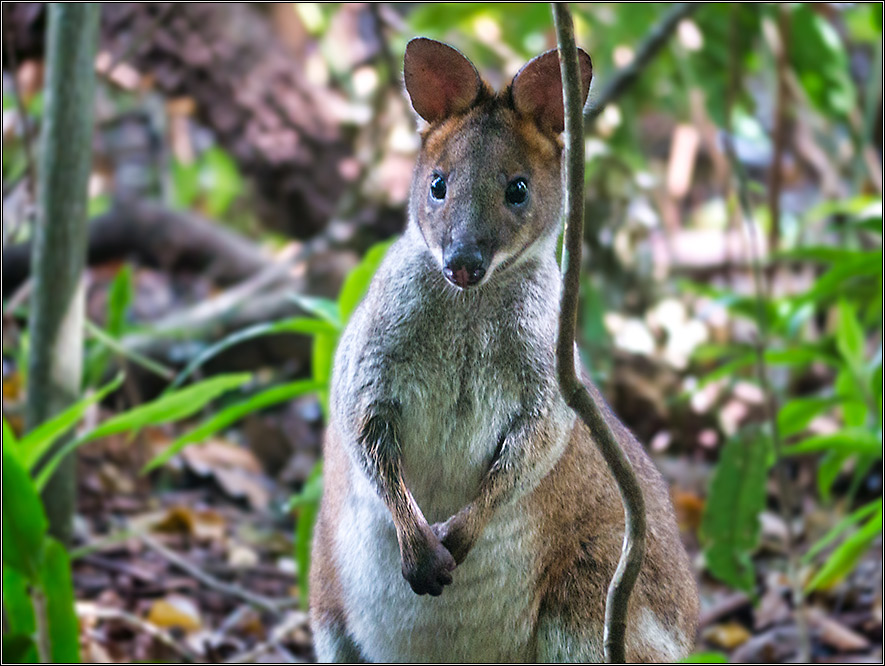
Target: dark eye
[[517, 191], [438, 188]]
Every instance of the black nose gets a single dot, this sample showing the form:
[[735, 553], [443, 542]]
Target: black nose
[[464, 266]]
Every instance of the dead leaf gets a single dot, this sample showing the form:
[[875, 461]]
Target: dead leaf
[[689, 508], [728, 635], [216, 453], [203, 524], [175, 611], [242, 557], [835, 634]]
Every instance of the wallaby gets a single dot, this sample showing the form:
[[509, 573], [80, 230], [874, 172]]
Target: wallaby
[[466, 513]]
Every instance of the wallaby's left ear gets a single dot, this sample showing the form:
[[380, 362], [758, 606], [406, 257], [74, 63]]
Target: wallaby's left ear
[[537, 89], [439, 79]]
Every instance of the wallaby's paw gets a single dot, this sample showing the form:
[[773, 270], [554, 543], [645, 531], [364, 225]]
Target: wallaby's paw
[[431, 569], [453, 535]]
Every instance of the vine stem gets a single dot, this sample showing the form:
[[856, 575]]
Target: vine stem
[[573, 391]]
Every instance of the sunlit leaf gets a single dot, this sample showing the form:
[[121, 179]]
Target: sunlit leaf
[[39, 441], [849, 440], [168, 407], [24, 521], [306, 504], [232, 414], [839, 528], [357, 282], [295, 325], [849, 552]]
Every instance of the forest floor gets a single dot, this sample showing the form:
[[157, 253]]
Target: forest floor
[[196, 563]]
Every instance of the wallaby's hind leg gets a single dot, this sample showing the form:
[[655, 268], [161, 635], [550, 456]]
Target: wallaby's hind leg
[[333, 645]]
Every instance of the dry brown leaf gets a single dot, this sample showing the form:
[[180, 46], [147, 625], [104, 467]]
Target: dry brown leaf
[[689, 508], [175, 611], [216, 453], [203, 524], [240, 484], [835, 634], [728, 635]]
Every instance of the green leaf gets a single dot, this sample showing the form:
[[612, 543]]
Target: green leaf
[[9, 434], [849, 279], [19, 649], [854, 410], [730, 524], [797, 413], [849, 520], [220, 180], [848, 440], [172, 406], [55, 579], [232, 414], [37, 443], [17, 602], [358, 280], [821, 62], [306, 503], [119, 299], [323, 308], [298, 325], [168, 407], [828, 470], [849, 552], [24, 521], [850, 336], [322, 358], [705, 658]]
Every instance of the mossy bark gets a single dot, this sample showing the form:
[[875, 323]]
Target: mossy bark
[[59, 248]]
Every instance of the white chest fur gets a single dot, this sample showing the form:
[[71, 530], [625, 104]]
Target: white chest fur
[[486, 614]]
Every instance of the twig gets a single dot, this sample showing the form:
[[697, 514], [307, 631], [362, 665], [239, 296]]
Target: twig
[[293, 620], [573, 391], [625, 77], [786, 491], [270, 605], [100, 613]]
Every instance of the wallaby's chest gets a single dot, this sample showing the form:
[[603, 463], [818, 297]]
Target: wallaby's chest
[[458, 385]]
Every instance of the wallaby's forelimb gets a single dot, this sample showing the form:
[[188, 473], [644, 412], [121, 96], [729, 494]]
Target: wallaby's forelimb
[[574, 392], [426, 564]]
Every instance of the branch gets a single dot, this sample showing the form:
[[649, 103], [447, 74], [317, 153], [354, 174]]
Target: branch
[[158, 236], [574, 392], [625, 77]]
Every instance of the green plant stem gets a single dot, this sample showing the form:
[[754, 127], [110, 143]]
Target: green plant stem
[[59, 248], [573, 391], [786, 491], [41, 618]]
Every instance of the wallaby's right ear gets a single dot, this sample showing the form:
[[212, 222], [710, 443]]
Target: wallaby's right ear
[[439, 79]]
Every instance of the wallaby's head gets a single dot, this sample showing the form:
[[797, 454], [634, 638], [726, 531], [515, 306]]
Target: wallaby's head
[[487, 186]]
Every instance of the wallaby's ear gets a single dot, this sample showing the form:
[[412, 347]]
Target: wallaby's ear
[[537, 89], [439, 79]]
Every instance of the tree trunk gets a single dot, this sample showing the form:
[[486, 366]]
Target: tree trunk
[[59, 247]]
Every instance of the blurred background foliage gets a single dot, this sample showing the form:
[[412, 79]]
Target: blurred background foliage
[[251, 165]]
